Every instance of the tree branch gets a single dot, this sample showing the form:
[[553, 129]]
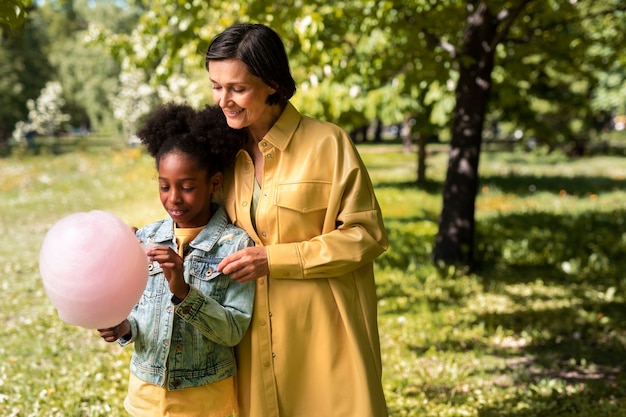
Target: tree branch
[[508, 16]]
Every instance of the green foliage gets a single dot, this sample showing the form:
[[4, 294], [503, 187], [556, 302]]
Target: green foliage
[[13, 13]]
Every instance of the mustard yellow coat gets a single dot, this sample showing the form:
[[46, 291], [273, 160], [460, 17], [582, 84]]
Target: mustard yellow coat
[[312, 349]]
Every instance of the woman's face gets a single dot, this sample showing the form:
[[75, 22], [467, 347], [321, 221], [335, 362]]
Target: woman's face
[[241, 95]]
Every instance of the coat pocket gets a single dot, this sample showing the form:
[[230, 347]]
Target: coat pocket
[[301, 209]]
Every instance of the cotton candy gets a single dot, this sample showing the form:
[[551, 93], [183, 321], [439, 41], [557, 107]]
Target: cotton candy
[[93, 269]]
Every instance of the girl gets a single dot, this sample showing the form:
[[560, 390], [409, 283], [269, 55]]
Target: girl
[[190, 315]]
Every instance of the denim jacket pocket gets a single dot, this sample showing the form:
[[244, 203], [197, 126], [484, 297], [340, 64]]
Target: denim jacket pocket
[[204, 275], [156, 281]]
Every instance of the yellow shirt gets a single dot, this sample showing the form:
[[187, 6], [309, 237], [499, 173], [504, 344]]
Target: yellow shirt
[[313, 347], [213, 400]]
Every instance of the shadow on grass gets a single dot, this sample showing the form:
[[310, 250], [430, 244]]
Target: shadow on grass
[[564, 280], [524, 185], [428, 186]]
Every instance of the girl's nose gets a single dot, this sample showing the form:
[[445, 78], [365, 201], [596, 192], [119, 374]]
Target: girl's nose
[[174, 196]]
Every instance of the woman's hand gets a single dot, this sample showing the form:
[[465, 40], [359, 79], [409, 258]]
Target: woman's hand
[[246, 264], [172, 265], [111, 334]]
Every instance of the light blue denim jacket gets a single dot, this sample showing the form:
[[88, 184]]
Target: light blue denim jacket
[[190, 344]]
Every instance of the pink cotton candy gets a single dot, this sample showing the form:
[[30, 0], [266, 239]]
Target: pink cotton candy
[[93, 269]]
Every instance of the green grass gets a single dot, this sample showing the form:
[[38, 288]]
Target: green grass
[[537, 330]]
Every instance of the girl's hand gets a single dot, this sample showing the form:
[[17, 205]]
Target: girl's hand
[[113, 333], [172, 265], [246, 264]]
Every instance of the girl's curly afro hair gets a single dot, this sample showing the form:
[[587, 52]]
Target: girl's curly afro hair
[[201, 134]]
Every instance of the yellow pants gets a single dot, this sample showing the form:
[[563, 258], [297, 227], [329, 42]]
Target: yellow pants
[[214, 400]]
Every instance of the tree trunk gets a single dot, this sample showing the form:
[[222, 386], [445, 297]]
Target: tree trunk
[[421, 159], [454, 243]]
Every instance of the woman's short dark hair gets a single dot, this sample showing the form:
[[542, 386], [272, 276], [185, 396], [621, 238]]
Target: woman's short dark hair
[[263, 52]]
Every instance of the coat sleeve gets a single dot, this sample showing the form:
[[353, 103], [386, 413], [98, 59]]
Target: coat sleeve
[[352, 232]]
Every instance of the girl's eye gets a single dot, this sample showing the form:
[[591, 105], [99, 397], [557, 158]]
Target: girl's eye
[[188, 189]]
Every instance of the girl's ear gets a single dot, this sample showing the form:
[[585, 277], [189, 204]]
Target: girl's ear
[[216, 181]]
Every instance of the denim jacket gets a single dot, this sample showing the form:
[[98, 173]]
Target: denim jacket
[[190, 344]]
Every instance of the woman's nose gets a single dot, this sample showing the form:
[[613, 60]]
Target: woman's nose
[[224, 98]]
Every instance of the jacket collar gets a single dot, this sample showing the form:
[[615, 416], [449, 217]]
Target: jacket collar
[[283, 130], [206, 239]]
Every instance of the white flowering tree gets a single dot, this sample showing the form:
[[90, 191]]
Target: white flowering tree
[[45, 114], [180, 89], [134, 99]]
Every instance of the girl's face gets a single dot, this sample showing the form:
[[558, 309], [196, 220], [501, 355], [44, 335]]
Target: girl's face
[[185, 189], [242, 96]]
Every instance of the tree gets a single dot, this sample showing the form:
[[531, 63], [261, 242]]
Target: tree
[[475, 58], [562, 84], [25, 71], [45, 115], [451, 64]]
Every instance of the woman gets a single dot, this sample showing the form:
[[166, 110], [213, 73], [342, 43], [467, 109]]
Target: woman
[[302, 193]]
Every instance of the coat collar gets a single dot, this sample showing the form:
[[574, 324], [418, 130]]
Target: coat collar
[[283, 130]]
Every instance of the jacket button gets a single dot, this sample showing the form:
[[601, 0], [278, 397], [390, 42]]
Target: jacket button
[[176, 382], [179, 346], [186, 309]]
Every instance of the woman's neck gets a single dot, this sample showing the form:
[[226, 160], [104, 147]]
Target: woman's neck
[[258, 131]]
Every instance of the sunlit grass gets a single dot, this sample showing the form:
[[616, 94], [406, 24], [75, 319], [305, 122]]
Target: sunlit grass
[[536, 330]]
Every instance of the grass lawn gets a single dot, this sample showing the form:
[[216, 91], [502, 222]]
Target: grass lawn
[[538, 329]]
